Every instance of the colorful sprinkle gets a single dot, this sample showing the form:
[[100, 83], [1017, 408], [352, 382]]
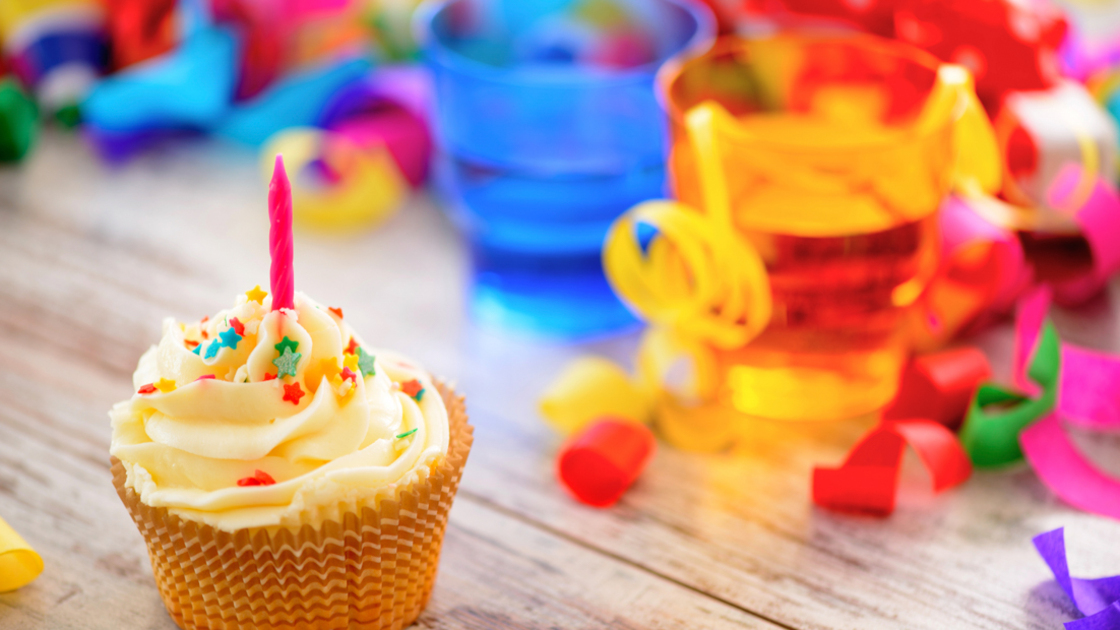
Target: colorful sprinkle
[[413, 388], [256, 294], [286, 343], [237, 326], [147, 389], [329, 368], [212, 349], [336, 311], [348, 374], [205, 377], [352, 347], [230, 338], [408, 433], [191, 344], [197, 350], [259, 478], [165, 385], [293, 393], [287, 362], [351, 361], [366, 363], [269, 377]]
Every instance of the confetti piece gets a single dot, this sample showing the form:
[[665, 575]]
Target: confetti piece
[[165, 385], [212, 349], [599, 463], [352, 346], [286, 343], [293, 393], [939, 386], [147, 389], [867, 482], [256, 294], [287, 362], [19, 563], [238, 327], [366, 362], [407, 433], [1097, 599], [590, 388], [336, 311], [230, 338]]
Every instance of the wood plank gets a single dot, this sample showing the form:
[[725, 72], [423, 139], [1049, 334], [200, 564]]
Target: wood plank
[[90, 263]]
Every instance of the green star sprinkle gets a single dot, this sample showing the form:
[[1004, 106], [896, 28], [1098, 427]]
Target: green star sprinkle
[[408, 433], [286, 343], [287, 362], [365, 363]]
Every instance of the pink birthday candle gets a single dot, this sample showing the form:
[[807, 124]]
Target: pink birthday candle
[[280, 237]]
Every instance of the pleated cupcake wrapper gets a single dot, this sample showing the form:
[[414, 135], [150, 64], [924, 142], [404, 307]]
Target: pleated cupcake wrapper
[[374, 568]]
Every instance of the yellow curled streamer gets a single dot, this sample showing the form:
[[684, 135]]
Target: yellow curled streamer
[[19, 564], [698, 278], [371, 188]]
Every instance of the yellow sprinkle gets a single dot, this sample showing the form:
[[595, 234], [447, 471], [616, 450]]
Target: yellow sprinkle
[[256, 294], [351, 361], [164, 385]]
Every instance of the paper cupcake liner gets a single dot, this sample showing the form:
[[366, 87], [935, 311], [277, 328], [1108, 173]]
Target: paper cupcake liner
[[374, 568]]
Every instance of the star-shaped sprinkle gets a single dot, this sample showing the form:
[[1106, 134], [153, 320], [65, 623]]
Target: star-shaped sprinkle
[[198, 350], [205, 377], [190, 343], [352, 347], [259, 478], [365, 363], [256, 294], [337, 311], [329, 368], [413, 388], [351, 361], [408, 433], [287, 362], [165, 385], [286, 343], [147, 389], [293, 393], [237, 326], [212, 349], [268, 377], [230, 338], [348, 374]]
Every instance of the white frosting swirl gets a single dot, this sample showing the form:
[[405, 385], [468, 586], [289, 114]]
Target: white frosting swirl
[[339, 442]]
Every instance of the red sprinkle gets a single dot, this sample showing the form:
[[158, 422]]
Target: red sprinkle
[[412, 387], [147, 389], [205, 335], [205, 318], [293, 393], [205, 377], [237, 326], [259, 478], [269, 377], [190, 343], [353, 347], [336, 311], [347, 373]]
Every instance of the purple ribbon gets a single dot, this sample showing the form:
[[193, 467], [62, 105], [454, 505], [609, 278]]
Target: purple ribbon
[[1098, 600]]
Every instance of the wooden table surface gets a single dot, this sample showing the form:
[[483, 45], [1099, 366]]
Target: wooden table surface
[[92, 258]]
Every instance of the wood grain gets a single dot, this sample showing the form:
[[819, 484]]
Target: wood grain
[[91, 259]]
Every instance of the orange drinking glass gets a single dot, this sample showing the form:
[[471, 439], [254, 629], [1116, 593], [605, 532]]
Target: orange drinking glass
[[823, 159]]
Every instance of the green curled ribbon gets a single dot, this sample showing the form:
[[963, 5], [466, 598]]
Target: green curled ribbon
[[997, 415]]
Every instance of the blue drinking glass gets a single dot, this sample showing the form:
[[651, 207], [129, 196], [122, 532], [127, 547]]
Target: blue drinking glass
[[548, 129]]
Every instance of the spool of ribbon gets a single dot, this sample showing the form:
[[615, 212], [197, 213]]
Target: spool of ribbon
[[598, 464], [19, 563]]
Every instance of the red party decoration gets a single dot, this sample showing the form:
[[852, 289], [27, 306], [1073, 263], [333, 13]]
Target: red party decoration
[[293, 393], [939, 386], [598, 464], [259, 478], [140, 29]]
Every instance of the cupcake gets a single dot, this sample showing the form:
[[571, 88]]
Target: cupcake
[[284, 473]]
